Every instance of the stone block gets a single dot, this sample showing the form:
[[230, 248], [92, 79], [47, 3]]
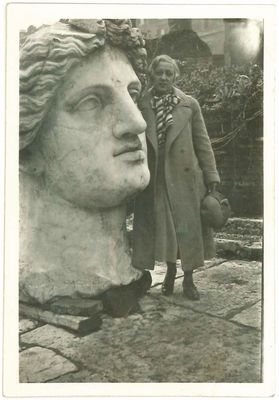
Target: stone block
[[81, 325], [244, 226], [39, 365], [251, 316], [238, 248], [72, 306]]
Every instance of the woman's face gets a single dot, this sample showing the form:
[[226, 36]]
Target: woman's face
[[163, 77], [94, 143]]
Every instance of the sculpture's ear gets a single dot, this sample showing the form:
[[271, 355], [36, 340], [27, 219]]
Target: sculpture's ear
[[31, 161]]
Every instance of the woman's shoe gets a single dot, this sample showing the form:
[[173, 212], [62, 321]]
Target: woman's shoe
[[191, 292], [168, 286], [189, 289]]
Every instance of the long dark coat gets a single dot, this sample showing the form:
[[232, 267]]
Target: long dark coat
[[189, 165]]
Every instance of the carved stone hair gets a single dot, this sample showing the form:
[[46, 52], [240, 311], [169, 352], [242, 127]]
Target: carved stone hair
[[47, 55]]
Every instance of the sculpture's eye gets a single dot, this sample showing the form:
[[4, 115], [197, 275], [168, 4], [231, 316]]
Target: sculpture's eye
[[135, 95], [89, 103]]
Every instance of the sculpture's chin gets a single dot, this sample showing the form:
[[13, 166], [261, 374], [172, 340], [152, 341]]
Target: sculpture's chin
[[138, 185], [127, 188], [100, 188], [139, 182]]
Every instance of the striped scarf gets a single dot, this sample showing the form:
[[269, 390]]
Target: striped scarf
[[163, 107]]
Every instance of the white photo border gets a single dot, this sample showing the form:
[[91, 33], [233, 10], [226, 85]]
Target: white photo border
[[20, 16]]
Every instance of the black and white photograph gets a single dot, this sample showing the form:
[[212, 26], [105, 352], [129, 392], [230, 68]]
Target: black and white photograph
[[139, 187]]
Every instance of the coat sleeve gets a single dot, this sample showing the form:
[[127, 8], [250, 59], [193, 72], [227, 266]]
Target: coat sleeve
[[202, 145]]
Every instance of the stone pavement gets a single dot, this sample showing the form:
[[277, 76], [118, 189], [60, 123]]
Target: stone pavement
[[172, 339]]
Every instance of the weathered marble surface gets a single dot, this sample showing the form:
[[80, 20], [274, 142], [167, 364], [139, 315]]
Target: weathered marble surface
[[89, 158], [72, 252]]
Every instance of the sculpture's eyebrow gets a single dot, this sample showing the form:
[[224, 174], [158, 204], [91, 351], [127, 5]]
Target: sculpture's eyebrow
[[102, 90]]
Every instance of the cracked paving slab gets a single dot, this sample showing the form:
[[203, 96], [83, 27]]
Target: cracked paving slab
[[165, 343], [225, 290], [26, 325], [38, 365], [251, 316], [158, 274], [173, 339]]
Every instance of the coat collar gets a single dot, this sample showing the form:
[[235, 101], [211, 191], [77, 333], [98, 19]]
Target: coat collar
[[179, 120]]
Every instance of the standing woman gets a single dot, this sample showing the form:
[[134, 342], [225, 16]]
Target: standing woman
[[167, 222]]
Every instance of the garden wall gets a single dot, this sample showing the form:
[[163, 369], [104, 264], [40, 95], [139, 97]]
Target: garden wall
[[241, 171]]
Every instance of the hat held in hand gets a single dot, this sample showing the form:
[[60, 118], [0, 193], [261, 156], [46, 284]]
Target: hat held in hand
[[215, 210]]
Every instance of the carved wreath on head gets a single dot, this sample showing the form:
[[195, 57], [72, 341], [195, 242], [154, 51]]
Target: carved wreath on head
[[48, 53], [120, 33]]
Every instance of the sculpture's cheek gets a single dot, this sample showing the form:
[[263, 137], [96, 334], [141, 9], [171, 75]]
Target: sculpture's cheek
[[81, 166]]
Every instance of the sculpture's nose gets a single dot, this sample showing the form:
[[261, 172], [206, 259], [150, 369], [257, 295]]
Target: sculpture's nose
[[127, 117]]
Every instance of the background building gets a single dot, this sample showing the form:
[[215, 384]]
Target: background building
[[230, 41]]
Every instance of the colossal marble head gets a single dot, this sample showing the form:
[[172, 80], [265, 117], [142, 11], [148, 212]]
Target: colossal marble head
[[82, 156], [80, 127]]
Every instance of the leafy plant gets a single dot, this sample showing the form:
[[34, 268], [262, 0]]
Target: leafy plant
[[231, 98]]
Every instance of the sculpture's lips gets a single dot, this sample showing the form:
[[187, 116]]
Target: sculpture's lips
[[128, 148]]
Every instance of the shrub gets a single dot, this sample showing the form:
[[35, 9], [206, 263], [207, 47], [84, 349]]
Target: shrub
[[231, 99]]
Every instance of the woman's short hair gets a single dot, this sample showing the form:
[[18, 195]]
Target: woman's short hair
[[47, 54], [163, 57]]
